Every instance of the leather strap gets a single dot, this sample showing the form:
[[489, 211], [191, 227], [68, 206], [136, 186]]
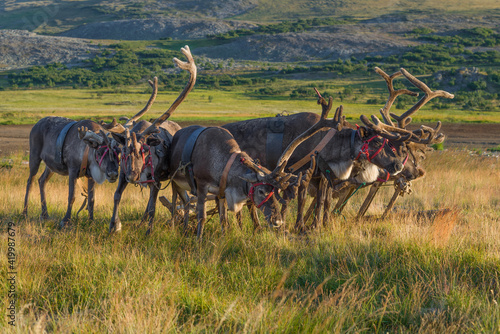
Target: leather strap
[[225, 173], [60, 142], [187, 151], [321, 145], [84, 165], [274, 141], [353, 154]]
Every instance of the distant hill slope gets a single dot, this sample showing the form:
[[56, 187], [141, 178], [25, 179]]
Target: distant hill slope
[[155, 28], [55, 16]]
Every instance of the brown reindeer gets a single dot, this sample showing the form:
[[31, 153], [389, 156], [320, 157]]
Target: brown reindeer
[[145, 151], [210, 160], [339, 152], [416, 146]]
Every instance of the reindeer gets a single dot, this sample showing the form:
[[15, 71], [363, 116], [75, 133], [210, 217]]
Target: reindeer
[[218, 166], [76, 149], [85, 150], [418, 145], [339, 152], [145, 151]]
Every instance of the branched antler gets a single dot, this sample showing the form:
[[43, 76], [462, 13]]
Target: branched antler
[[393, 94], [189, 66], [85, 134], [405, 118]]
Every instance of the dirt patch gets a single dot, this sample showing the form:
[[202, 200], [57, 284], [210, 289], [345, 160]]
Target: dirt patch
[[14, 138]]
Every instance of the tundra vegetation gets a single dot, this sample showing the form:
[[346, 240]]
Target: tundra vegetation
[[403, 273]]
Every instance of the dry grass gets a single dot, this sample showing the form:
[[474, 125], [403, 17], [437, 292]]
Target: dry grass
[[407, 273]]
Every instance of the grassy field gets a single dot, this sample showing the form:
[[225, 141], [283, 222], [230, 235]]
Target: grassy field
[[201, 106], [401, 274]]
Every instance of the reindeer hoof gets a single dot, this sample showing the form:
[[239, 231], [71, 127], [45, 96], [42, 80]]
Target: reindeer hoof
[[115, 227], [63, 224], [44, 216]]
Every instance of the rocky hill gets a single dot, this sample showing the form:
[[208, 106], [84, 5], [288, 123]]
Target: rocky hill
[[20, 49], [155, 28]]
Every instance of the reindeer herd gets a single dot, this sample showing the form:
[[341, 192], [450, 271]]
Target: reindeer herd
[[261, 163]]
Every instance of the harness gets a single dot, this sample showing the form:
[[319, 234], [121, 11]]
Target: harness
[[321, 145], [252, 192], [60, 142], [187, 151], [274, 142]]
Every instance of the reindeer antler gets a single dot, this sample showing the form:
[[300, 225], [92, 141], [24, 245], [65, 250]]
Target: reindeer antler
[[399, 133], [154, 85], [85, 134], [405, 118], [393, 94], [189, 66]]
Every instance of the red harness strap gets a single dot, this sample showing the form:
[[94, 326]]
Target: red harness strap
[[252, 191], [147, 163], [365, 149]]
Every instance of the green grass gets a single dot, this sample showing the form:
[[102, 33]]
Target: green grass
[[402, 274], [220, 106]]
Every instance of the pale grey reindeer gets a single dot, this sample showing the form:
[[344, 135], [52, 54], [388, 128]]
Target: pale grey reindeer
[[145, 151], [83, 149], [77, 149]]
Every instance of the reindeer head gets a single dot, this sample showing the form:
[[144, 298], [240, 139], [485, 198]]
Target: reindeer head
[[103, 160], [136, 155], [411, 145]]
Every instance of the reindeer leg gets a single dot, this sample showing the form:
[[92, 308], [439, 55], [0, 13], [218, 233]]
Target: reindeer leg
[[320, 200], [328, 205], [115, 224], [342, 200], [391, 204], [301, 203], [151, 209], [173, 209], [368, 200], [91, 198], [221, 204], [201, 210], [34, 166], [71, 197], [47, 174], [254, 216]]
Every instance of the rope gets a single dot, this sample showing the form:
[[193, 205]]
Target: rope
[[337, 211]]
